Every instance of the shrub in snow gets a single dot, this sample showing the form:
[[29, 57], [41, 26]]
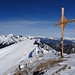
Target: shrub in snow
[[22, 66], [58, 54], [8, 74], [68, 67]]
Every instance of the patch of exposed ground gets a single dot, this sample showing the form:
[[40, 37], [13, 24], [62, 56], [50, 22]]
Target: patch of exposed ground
[[38, 67]]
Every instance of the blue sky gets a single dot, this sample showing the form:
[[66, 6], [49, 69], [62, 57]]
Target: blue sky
[[35, 17]]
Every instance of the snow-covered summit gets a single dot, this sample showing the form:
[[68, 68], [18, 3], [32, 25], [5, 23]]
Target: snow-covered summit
[[67, 38], [11, 38], [6, 40], [21, 51], [27, 49]]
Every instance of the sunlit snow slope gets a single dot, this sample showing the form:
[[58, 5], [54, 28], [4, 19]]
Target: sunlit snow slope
[[11, 54]]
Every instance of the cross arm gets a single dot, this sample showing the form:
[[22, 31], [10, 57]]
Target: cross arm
[[73, 20], [65, 22]]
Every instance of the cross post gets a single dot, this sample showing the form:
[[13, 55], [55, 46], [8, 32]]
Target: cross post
[[62, 23]]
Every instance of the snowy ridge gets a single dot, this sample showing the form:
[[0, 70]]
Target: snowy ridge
[[10, 39], [67, 38], [14, 54], [53, 38], [29, 50], [6, 40]]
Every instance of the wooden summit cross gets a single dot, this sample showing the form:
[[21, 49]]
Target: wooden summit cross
[[62, 23]]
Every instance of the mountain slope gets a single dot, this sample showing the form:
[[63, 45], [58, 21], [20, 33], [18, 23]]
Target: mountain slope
[[6, 40], [29, 49], [19, 52], [13, 54], [55, 43]]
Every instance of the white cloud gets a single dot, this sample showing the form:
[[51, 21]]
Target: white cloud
[[28, 27]]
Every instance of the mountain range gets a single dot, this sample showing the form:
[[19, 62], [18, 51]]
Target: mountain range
[[33, 55], [55, 43]]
